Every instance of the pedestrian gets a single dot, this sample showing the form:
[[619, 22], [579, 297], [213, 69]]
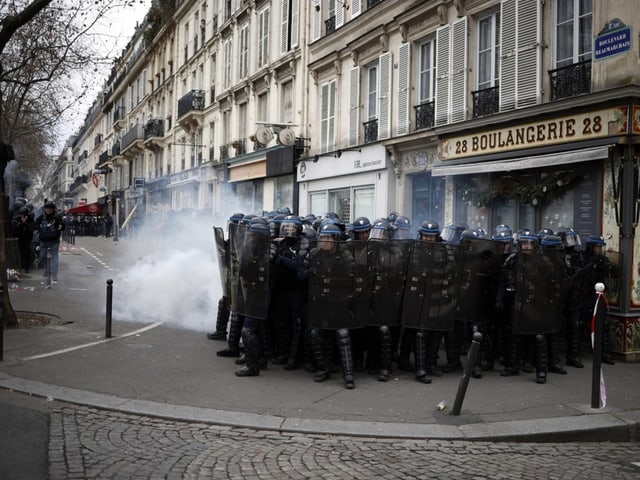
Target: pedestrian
[[24, 232], [49, 226]]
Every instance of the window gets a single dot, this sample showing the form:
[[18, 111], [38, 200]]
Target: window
[[349, 203], [372, 93], [242, 120], [263, 107], [289, 25], [263, 37], [573, 31], [427, 71], [489, 51], [328, 116], [363, 202], [243, 64], [287, 102], [212, 75], [186, 42], [226, 76], [195, 32]]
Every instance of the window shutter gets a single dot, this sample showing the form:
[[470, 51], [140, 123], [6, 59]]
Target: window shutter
[[459, 70], [339, 14], [331, 140], [403, 89], [354, 106], [316, 20], [508, 55], [529, 15], [324, 117], [295, 17], [356, 8], [384, 99], [442, 75], [284, 26]]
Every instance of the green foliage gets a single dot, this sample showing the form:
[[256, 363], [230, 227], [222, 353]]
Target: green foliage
[[158, 15]]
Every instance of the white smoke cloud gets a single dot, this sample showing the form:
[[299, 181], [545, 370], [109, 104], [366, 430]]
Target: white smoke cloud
[[176, 279]]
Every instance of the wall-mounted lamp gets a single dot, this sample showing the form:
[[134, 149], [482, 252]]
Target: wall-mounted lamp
[[339, 152]]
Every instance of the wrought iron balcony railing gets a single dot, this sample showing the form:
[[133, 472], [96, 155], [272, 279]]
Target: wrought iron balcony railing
[[330, 25], [486, 102], [194, 100], [371, 131], [154, 128], [571, 80], [425, 115]]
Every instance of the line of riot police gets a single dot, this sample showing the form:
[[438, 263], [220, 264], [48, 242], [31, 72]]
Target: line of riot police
[[314, 291]]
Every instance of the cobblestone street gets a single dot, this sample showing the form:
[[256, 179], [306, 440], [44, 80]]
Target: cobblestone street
[[90, 443]]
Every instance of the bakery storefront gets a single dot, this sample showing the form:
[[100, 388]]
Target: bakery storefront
[[556, 172]]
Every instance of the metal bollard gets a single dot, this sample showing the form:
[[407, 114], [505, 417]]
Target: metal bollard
[[107, 333], [598, 320], [464, 381]]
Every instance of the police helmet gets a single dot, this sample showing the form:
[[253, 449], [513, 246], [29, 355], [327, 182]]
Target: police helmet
[[551, 241], [545, 231], [308, 232], [284, 211], [526, 235], [331, 229], [392, 217], [236, 217], [260, 228], [502, 233], [482, 233], [570, 237], [429, 227], [595, 240], [469, 234], [361, 224], [380, 230], [290, 226], [246, 219], [402, 227], [451, 233]]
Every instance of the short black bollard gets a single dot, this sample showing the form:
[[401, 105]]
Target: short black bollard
[[109, 302], [464, 381]]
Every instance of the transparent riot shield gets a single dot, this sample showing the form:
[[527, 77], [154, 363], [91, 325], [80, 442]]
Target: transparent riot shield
[[236, 239], [537, 305], [478, 281], [362, 282], [388, 262], [253, 257], [331, 270], [222, 255], [430, 300]]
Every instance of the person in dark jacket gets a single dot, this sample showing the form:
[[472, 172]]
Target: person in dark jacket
[[49, 226], [23, 228]]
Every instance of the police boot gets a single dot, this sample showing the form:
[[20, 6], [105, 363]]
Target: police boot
[[573, 344], [282, 341], [606, 348], [307, 353], [407, 340], [433, 346], [541, 359], [344, 346], [552, 350], [221, 321], [252, 349], [385, 354], [293, 361], [512, 361], [233, 341], [318, 347], [421, 357], [452, 343]]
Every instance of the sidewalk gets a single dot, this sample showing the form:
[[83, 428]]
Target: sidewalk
[[152, 369]]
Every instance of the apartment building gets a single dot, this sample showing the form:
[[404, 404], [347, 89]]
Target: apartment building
[[518, 112]]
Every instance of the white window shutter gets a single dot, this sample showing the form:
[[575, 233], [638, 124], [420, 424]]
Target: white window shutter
[[295, 19], [356, 8], [384, 99], [443, 35], [331, 140], [354, 106], [529, 55], [339, 13], [459, 70], [508, 46], [316, 24], [284, 26], [324, 117], [404, 89]]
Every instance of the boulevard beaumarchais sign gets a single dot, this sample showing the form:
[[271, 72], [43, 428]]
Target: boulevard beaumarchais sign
[[615, 38]]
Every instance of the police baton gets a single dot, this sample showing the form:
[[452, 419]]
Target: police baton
[[464, 381]]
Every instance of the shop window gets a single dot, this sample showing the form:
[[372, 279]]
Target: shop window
[[340, 203], [428, 198]]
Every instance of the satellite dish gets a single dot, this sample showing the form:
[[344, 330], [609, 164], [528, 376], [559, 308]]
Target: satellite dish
[[264, 135], [286, 136]]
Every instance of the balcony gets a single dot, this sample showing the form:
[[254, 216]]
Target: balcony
[[132, 142], [224, 152], [486, 102], [103, 159], [154, 135], [373, 3], [97, 140], [371, 131], [212, 154], [190, 110], [240, 146], [77, 183], [425, 115], [118, 118], [571, 80], [330, 25]]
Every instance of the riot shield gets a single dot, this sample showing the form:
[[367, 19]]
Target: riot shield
[[537, 301], [252, 288], [223, 259], [478, 282], [331, 270], [388, 261], [429, 300], [362, 282], [236, 238]]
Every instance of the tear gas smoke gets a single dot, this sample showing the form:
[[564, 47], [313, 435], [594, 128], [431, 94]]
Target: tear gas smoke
[[175, 278]]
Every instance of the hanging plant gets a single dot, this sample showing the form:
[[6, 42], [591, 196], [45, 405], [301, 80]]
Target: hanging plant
[[552, 187]]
